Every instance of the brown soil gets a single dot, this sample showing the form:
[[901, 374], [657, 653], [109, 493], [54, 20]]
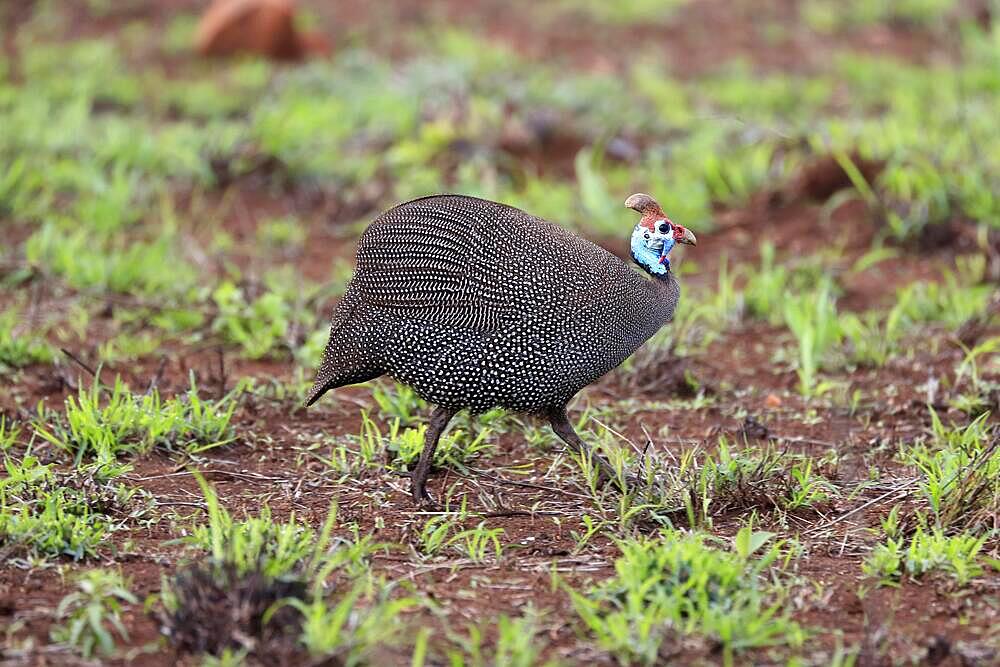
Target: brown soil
[[699, 37], [266, 466], [539, 506]]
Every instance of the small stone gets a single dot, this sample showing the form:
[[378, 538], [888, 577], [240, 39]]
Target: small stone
[[262, 27]]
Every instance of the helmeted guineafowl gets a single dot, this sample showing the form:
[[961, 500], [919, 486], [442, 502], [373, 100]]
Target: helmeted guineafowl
[[477, 305]]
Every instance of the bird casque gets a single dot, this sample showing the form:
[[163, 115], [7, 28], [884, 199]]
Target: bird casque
[[478, 305]]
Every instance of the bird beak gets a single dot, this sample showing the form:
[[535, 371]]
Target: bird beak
[[688, 237]]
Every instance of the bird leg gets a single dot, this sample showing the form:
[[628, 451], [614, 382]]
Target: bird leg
[[418, 480], [562, 427]]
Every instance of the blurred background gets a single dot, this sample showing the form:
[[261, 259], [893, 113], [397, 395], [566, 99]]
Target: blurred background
[[213, 163]]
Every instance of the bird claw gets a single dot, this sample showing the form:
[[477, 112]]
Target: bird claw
[[428, 505], [421, 497]]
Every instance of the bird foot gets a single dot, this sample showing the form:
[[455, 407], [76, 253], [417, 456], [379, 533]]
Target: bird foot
[[421, 498], [428, 505], [425, 502]]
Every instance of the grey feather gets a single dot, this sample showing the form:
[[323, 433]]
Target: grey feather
[[477, 305]]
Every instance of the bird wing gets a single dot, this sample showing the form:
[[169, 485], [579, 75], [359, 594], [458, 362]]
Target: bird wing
[[455, 261]]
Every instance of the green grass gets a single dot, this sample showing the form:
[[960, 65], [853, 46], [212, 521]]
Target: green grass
[[259, 327], [977, 392], [693, 165], [107, 422], [398, 402], [402, 446], [20, 347], [455, 449], [352, 628], [444, 533], [769, 283], [935, 143], [682, 584], [277, 320], [693, 488], [805, 301], [281, 233], [278, 549], [257, 542], [812, 319], [708, 163], [835, 15], [10, 431], [631, 12], [959, 474], [275, 550], [519, 643], [146, 268], [954, 556], [129, 347], [157, 212], [46, 513], [962, 295], [90, 618], [261, 581]]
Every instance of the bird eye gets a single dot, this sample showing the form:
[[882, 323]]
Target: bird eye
[[664, 228]]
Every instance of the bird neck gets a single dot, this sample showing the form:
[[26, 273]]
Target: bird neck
[[664, 294], [664, 281]]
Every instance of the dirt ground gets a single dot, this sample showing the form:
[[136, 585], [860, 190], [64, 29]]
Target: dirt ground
[[742, 370]]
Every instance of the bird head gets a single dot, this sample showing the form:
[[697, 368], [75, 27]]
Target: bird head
[[655, 235]]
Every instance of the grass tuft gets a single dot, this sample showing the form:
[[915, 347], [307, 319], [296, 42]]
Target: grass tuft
[[261, 590], [49, 513], [680, 584], [107, 423], [21, 348], [692, 490], [214, 607], [959, 474], [91, 616], [956, 556]]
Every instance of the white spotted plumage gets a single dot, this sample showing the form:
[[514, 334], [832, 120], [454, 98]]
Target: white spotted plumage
[[479, 305]]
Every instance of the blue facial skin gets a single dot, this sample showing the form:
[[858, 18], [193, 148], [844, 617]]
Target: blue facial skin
[[653, 260], [668, 245]]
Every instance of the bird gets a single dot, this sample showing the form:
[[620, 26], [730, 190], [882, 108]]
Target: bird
[[476, 305]]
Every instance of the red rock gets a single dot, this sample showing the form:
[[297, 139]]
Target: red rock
[[263, 27]]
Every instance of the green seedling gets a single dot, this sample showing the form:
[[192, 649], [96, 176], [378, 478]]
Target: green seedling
[[956, 556], [19, 348], [398, 401], [91, 617], [959, 471], [47, 513], [105, 424], [680, 583], [354, 627]]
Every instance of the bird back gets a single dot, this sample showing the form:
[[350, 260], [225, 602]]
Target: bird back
[[476, 304]]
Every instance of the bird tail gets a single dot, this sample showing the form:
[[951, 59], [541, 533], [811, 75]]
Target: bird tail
[[328, 378], [321, 385], [346, 359]]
